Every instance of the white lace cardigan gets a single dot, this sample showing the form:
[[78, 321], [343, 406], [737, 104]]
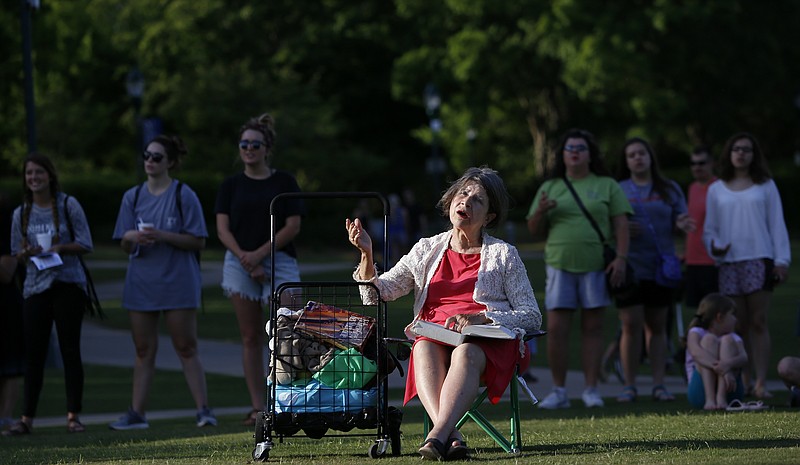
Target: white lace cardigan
[[503, 285]]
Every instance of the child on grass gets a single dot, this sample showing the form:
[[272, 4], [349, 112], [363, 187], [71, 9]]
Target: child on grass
[[714, 355]]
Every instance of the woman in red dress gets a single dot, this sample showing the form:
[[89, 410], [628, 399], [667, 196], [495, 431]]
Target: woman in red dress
[[460, 277]]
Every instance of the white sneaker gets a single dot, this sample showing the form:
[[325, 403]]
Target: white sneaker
[[591, 398], [556, 399]]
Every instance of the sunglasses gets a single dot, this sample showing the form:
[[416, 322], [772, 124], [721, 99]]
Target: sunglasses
[[575, 148], [698, 163], [253, 144], [742, 148], [156, 157]]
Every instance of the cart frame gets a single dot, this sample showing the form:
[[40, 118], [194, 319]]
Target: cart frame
[[385, 420]]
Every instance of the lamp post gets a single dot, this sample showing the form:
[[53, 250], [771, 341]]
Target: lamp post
[[435, 164], [27, 65], [471, 134], [134, 84]]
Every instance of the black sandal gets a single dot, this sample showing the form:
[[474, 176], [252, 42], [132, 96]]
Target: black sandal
[[75, 426], [458, 452], [20, 428], [433, 449]]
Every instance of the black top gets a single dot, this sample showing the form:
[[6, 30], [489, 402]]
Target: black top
[[246, 202]]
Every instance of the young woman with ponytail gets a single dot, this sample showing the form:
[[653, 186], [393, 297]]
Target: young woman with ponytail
[[160, 225], [243, 227]]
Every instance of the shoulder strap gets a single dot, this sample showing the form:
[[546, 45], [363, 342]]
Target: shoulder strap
[[69, 220], [94, 305], [585, 211], [136, 196], [178, 202]]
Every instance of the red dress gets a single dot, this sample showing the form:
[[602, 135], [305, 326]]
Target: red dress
[[450, 293]]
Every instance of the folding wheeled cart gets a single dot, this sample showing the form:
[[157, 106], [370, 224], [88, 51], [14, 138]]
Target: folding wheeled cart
[[329, 362]]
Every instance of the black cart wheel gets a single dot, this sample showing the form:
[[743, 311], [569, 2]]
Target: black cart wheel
[[263, 457], [374, 452], [260, 452]]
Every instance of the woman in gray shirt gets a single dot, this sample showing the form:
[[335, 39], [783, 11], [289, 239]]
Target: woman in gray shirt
[[52, 294]]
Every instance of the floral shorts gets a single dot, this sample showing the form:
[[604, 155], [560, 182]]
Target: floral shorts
[[747, 277]]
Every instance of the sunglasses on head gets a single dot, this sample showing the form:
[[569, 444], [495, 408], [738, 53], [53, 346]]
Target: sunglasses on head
[[254, 144], [156, 157]]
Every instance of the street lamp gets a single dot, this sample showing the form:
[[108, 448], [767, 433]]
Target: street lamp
[[27, 65], [471, 134], [134, 84], [435, 165]]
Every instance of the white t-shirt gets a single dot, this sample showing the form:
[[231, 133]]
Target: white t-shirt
[[750, 220]]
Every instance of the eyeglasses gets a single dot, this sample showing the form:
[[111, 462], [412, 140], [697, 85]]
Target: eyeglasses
[[742, 148], [575, 148], [155, 156], [698, 163], [254, 144]]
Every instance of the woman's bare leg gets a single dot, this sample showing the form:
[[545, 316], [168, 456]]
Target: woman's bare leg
[[250, 315]]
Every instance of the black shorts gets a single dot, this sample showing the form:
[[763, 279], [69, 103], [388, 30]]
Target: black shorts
[[649, 294], [701, 280]]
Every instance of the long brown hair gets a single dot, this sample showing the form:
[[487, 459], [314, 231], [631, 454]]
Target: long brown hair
[[596, 164], [758, 170], [661, 185], [27, 196]]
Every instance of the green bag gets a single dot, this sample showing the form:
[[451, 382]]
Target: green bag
[[349, 369]]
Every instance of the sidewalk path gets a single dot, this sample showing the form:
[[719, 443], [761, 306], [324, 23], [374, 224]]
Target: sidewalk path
[[113, 347]]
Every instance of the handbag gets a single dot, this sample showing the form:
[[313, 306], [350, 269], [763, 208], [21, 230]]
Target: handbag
[[668, 270], [609, 254], [668, 265]]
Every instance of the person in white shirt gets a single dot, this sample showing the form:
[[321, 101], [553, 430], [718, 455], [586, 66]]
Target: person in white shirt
[[746, 234]]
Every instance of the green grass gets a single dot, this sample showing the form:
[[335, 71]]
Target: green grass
[[641, 433]]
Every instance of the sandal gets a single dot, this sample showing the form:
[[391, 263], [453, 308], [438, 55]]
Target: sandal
[[737, 405], [433, 449], [250, 419], [19, 428], [458, 452], [75, 426], [629, 394], [660, 394]]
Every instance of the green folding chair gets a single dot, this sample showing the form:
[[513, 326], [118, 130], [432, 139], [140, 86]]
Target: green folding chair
[[514, 444]]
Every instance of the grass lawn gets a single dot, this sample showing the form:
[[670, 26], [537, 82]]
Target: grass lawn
[[641, 433]]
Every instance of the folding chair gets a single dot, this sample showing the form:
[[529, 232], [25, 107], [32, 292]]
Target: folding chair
[[514, 445]]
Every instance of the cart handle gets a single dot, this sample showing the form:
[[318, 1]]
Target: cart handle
[[330, 195]]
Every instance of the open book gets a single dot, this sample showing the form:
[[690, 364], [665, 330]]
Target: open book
[[454, 338]]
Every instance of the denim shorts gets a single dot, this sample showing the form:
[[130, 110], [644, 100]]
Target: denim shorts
[[572, 290], [237, 281]]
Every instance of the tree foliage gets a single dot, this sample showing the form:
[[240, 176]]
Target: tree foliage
[[344, 80]]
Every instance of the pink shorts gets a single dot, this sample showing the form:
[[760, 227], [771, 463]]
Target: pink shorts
[[747, 277]]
